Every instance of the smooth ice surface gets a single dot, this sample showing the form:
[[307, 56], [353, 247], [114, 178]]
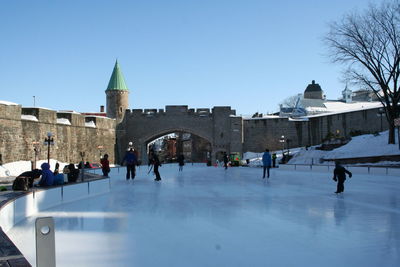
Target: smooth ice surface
[[206, 216]]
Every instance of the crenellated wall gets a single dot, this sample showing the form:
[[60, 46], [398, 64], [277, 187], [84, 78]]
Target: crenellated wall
[[73, 133], [142, 126], [261, 133]]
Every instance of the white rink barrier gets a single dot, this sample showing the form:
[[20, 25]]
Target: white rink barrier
[[41, 199], [353, 169]]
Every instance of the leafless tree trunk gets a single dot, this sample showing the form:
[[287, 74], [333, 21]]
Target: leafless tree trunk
[[369, 44]]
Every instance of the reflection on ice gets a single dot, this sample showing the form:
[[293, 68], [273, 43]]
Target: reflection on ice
[[206, 216]]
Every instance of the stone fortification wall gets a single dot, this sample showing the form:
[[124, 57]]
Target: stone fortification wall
[[261, 133], [73, 133], [142, 126]]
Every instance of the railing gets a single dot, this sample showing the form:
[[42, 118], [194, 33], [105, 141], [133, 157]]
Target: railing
[[354, 169]]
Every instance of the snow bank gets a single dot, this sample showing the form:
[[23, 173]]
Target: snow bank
[[367, 145], [16, 168]]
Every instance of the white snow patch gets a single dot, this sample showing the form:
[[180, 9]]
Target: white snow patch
[[63, 121], [7, 103], [90, 124], [29, 118]]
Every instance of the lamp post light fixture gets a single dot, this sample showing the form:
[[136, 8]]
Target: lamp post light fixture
[[36, 149], [282, 140], [82, 154], [381, 112], [48, 142], [100, 148]]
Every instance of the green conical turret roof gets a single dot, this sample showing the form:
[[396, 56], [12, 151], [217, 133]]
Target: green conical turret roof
[[117, 81]]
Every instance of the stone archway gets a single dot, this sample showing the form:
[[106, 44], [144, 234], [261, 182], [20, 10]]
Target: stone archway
[[143, 142], [221, 128]]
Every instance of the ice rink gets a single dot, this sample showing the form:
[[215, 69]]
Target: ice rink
[[208, 216]]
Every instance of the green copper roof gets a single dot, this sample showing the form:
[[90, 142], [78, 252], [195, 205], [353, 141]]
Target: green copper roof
[[117, 81]]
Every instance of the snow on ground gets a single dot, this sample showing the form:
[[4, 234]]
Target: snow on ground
[[15, 168], [360, 146]]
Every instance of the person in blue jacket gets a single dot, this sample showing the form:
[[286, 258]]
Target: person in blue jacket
[[266, 162], [47, 175], [131, 161]]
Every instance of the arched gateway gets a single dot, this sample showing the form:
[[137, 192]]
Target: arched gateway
[[220, 127]]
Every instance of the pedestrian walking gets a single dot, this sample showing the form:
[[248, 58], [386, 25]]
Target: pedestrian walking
[[339, 176], [266, 159], [131, 161]]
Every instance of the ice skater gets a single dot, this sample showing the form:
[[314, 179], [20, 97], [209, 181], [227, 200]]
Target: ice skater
[[131, 161], [226, 160], [156, 163], [266, 159], [339, 176], [181, 162]]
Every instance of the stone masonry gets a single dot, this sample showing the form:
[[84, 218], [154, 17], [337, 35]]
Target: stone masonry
[[17, 135]]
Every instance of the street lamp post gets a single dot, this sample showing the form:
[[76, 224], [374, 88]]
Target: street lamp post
[[36, 149], [100, 148], [49, 141], [282, 140], [381, 111]]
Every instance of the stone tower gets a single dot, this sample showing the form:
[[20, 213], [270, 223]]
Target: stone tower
[[117, 95], [313, 91]]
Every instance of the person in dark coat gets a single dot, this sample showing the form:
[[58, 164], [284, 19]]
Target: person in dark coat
[[181, 162], [266, 159], [72, 173], [25, 180], [156, 163], [57, 169], [131, 161], [105, 165], [226, 160], [339, 176], [274, 160], [47, 175]]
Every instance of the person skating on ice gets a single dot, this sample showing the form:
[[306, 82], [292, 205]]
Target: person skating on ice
[[181, 162], [339, 176], [226, 160], [266, 159], [131, 161], [156, 163]]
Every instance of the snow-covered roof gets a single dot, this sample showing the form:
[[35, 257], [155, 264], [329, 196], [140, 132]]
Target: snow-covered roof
[[338, 106]]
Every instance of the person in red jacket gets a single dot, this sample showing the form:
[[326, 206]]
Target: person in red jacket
[[105, 165]]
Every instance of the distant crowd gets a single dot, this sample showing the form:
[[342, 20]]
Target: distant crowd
[[44, 177]]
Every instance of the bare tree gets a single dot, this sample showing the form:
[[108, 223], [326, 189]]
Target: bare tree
[[291, 101], [369, 44]]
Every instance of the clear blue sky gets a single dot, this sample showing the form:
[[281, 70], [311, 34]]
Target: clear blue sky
[[249, 54]]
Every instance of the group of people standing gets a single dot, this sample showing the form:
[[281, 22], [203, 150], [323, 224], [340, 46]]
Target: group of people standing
[[131, 161]]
